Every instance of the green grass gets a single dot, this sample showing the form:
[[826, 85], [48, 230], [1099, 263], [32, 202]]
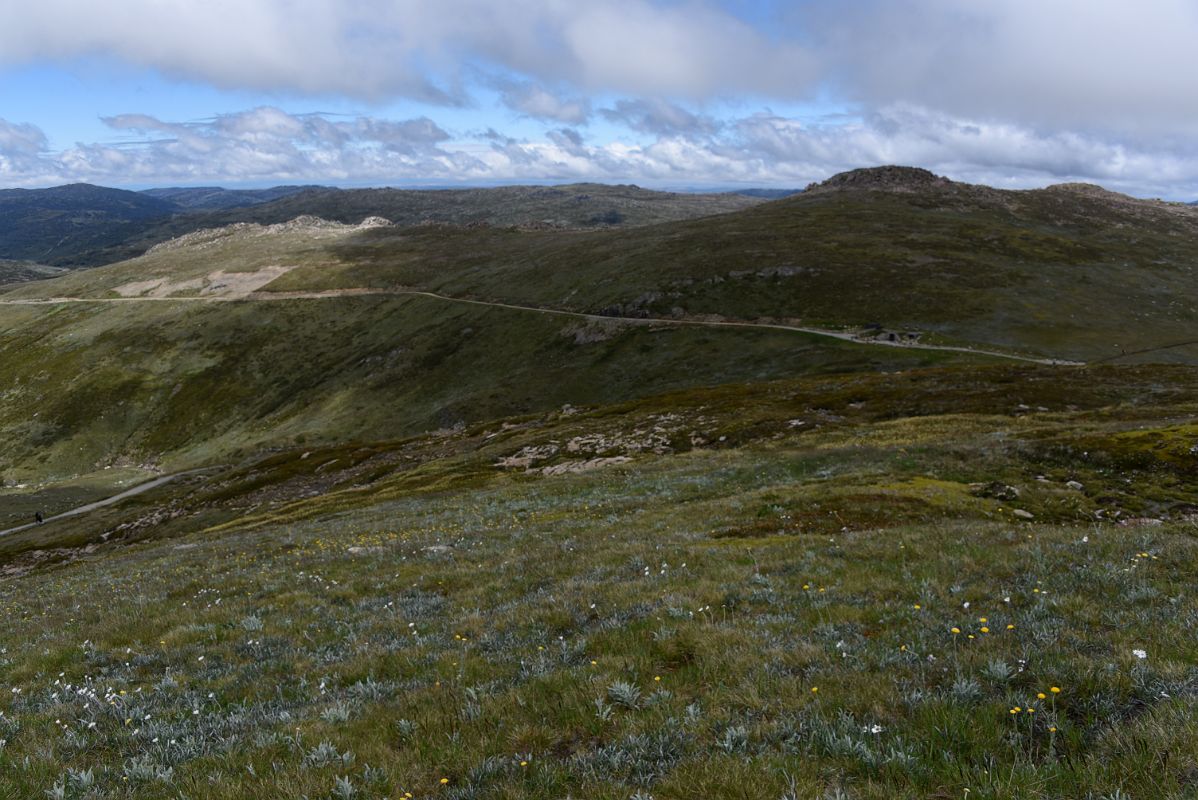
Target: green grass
[[180, 385], [657, 626], [21, 271], [1058, 273], [1053, 272], [88, 226], [451, 551]]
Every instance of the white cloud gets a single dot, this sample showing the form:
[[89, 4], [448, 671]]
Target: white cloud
[[21, 147], [414, 48], [536, 101], [269, 145], [1018, 91], [1090, 64], [661, 118]]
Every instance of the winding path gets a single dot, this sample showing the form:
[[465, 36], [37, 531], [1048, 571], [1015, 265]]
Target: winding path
[[116, 498], [328, 293]]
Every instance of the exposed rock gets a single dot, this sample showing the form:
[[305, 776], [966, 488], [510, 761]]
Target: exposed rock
[[528, 456], [1019, 512], [567, 467], [996, 490], [889, 178], [592, 331]]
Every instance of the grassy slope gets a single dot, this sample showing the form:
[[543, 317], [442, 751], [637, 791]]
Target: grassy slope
[[359, 614], [1061, 272], [184, 384], [21, 271], [575, 205], [1064, 272], [53, 226], [657, 626]]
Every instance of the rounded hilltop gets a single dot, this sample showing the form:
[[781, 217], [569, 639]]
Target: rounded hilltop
[[888, 178]]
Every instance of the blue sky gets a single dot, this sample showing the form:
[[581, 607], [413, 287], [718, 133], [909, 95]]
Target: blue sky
[[664, 93]]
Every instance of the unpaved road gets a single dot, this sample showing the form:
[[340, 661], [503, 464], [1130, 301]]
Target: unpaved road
[[331, 293], [136, 490]]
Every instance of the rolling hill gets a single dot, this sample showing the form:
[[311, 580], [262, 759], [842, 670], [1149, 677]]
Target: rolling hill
[[233, 340], [798, 500], [84, 226], [21, 271], [55, 226], [1069, 271], [214, 198]]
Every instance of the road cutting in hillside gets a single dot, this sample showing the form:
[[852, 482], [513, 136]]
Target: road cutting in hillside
[[153, 294]]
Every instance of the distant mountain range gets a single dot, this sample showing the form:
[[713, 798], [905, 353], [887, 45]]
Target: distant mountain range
[[52, 226], [523, 320], [80, 224], [215, 198], [83, 225]]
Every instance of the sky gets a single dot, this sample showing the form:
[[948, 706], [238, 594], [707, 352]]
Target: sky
[[676, 94]]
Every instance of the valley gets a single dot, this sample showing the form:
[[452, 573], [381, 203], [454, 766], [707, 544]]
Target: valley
[[877, 490]]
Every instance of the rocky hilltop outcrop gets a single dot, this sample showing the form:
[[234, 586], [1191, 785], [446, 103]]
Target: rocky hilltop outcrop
[[888, 178]]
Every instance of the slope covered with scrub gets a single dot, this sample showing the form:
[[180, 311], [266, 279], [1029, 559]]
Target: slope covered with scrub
[[225, 342], [85, 226], [458, 511], [1070, 271]]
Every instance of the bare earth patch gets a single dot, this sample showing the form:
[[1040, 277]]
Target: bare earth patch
[[214, 284]]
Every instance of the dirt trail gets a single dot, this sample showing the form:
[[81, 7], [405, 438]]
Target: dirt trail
[[136, 490], [330, 293]]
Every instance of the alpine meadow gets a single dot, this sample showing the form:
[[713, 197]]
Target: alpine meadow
[[575, 402]]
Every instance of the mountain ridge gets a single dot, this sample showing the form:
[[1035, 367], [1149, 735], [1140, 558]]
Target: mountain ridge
[[83, 225]]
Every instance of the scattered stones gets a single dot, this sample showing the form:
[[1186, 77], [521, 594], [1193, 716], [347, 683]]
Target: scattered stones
[[527, 456], [583, 466], [1074, 485], [996, 490], [1019, 512]]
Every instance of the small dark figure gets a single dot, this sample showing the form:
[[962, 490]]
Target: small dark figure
[[37, 515]]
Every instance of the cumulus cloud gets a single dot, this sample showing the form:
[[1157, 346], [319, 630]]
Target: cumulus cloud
[[21, 140], [261, 144], [416, 48], [765, 149], [1090, 64], [976, 150], [536, 101], [21, 148], [1016, 91], [661, 118]]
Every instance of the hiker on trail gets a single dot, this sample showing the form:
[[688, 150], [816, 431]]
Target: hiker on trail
[[37, 515]]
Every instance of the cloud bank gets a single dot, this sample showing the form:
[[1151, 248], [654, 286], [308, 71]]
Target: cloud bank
[[268, 145], [1021, 92], [414, 48]]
